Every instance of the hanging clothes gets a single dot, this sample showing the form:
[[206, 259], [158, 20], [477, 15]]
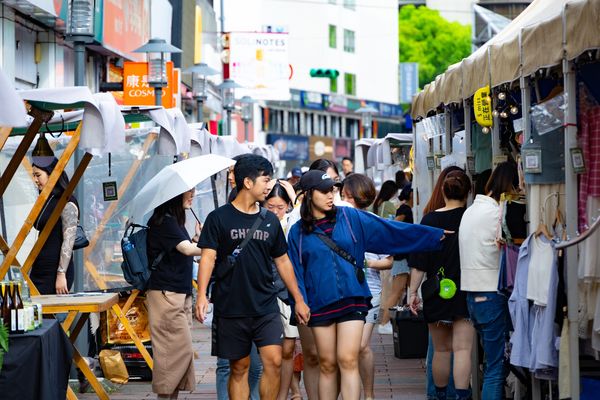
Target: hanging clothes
[[534, 337], [589, 139]]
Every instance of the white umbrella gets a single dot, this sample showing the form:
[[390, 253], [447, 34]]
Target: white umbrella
[[12, 112], [175, 179]]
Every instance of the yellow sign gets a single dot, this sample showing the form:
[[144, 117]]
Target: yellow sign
[[482, 106], [198, 36]]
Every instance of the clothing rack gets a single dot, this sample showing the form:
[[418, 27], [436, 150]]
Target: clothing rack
[[580, 238]]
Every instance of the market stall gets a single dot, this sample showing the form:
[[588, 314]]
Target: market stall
[[530, 94]]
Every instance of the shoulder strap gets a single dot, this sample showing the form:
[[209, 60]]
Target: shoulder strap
[[333, 246], [261, 217]]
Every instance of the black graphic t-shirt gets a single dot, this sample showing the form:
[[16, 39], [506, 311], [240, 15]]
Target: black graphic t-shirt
[[248, 290]]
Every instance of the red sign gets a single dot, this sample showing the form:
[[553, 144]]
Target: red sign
[[126, 26], [137, 91]]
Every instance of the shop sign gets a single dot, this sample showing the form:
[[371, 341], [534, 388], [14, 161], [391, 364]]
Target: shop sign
[[409, 81], [126, 26], [311, 100], [482, 106], [137, 91], [336, 103], [259, 62], [290, 147], [390, 110], [353, 105], [342, 148], [320, 147]]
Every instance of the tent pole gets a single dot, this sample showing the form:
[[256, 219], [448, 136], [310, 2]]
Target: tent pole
[[570, 85]]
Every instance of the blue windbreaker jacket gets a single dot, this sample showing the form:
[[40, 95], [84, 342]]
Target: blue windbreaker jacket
[[324, 277]]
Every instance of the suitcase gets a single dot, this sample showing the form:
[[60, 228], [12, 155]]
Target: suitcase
[[411, 335]]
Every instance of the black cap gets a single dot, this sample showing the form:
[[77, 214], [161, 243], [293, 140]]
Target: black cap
[[316, 179]]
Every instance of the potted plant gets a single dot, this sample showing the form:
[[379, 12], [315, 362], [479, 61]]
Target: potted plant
[[3, 343]]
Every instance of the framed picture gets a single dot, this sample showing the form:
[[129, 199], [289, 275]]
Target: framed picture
[[532, 161], [471, 164], [430, 163], [109, 189], [577, 160]]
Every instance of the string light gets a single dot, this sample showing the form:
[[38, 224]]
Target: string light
[[503, 114], [514, 110], [495, 113], [485, 129], [501, 96]]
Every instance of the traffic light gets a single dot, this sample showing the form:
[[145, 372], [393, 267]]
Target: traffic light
[[324, 73]]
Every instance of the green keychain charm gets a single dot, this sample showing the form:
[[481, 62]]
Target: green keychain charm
[[447, 286]]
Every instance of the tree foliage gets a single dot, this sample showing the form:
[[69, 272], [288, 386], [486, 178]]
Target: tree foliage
[[432, 41]]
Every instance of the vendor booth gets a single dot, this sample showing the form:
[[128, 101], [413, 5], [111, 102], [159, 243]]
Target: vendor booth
[[531, 95]]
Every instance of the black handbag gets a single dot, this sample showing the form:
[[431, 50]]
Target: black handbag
[[430, 287], [81, 240]]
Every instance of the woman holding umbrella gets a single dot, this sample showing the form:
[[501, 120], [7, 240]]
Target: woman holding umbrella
[[169, 297]]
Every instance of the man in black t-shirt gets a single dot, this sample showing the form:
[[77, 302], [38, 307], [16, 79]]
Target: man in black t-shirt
[[244, 297]]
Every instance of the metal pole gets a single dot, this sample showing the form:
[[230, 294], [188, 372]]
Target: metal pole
[[79, 48], [222, 16], [571, 216], [158, 95], [228, 132], [199, 113], [246, 131]]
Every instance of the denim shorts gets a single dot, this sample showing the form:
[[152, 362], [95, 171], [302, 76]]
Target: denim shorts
[[400, 267]]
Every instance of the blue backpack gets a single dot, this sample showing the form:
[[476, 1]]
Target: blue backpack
[[136, 270]]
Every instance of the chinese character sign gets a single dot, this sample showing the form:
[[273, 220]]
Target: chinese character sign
[[259, 63], [409, 81], [137, 91], [482, 106]]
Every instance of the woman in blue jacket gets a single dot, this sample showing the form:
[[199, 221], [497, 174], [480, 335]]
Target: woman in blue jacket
[[332, 279]]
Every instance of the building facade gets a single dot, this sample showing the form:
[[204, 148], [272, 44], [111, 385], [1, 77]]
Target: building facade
[[358, 40]]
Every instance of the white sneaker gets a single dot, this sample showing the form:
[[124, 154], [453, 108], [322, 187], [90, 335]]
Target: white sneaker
[[385, 329]]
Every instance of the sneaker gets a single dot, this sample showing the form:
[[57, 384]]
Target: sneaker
[[385, 329]]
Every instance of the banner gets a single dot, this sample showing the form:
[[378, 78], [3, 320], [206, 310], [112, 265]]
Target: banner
[[126, 26], [290, 147], [482, 106], [259, 63]]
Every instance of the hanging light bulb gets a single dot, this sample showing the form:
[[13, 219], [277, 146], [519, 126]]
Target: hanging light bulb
[[514, 110], [503, 114], [495, 113], [501, 96], [485, 129]]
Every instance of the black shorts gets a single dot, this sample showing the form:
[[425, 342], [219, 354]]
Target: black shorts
[[232, 338], [352, 316]]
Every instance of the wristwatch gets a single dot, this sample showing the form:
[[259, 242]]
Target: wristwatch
[[61, 270]]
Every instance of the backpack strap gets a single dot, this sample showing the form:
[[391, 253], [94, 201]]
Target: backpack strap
[[337, 249]]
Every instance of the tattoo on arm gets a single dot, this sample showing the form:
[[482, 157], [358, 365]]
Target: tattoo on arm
[[69, 219]]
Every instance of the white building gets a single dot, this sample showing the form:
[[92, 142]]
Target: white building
[[357, 38]]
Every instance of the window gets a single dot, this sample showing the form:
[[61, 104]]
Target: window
[[294, 123], [348, 41], [333, 85], [350, 4], [332, 36], [350, 84]]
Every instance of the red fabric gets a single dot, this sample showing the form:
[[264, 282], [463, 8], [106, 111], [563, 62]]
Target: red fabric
[[589, 137]]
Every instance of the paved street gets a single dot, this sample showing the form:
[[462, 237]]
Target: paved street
[[395, 378]]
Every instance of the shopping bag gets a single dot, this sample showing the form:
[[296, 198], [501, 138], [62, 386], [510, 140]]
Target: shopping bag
[[113, 366]]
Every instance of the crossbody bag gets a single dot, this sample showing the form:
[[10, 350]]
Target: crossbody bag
[[360, 273], [228, 264]]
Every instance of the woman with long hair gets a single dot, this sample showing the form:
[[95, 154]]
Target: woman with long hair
[[279, 203], [480, 261], [327, 248], [359, 191], [309, 348], [446, 312], [169, 297], [52, 271], [383, 206]]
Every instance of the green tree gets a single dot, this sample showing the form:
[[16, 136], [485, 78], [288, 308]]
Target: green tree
[[432, 41]]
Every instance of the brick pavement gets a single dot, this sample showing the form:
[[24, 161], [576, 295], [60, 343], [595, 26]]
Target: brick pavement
[[394, 378]]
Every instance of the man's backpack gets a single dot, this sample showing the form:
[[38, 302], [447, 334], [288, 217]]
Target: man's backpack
[[136, 270]]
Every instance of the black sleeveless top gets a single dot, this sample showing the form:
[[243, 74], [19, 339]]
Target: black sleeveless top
[[43, 271]]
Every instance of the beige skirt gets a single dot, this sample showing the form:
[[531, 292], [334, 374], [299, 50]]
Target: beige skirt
[[170, 316]]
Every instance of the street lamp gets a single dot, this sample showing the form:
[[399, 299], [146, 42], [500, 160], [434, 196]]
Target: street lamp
[[227, 89], [199, 84], [80, 30], [366, 117], [156, 49], [247, 113]]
